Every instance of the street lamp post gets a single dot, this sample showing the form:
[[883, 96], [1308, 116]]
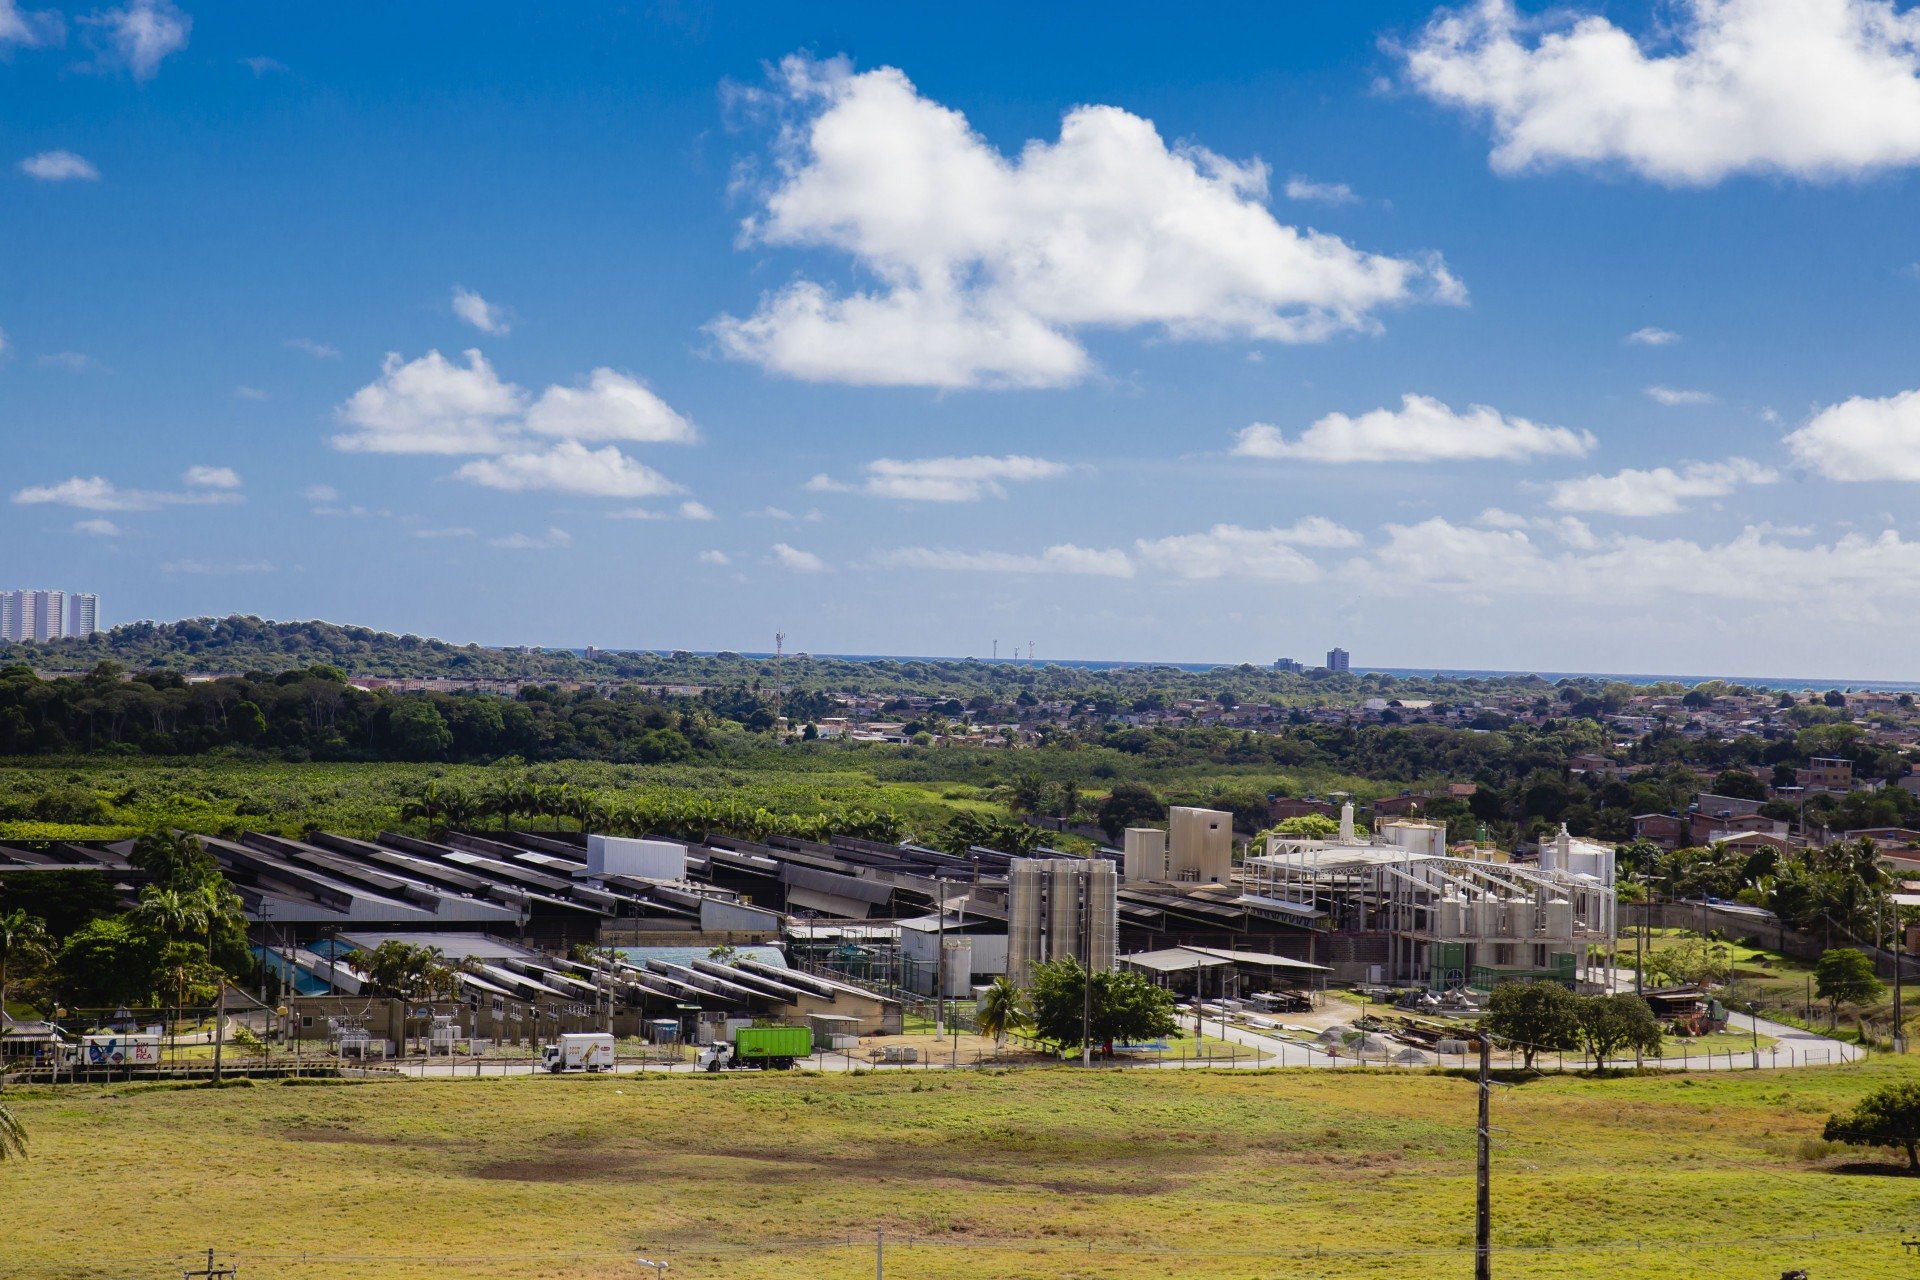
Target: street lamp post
[[1753, 1024], [659, 1268]]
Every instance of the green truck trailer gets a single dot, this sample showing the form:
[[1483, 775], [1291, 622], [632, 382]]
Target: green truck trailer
[[775, 1048]]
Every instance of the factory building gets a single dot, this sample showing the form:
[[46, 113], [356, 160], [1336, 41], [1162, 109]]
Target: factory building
[[1060, 908]]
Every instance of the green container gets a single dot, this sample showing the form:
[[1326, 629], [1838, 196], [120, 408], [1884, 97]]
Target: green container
[[755, 1044]]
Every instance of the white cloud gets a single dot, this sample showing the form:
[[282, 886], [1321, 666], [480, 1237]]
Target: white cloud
[[1854, 577], [29, 28], [248, 393], [1422, 429], [212, 477], [784, 515], [1064, 558], [1863, 439], [71, 362], [1673, 398], [1229, 551], [457, 531], [98, 527], [1299, 188], [695, 511], [943, 479], [60, 166], [318, 350], [431, 405], [611, 406], [1495, 518], [794, 559], [1652, 337], [570, 467], [1661, 491], [715, 557], [485, 316], [988, 266], [96, 493], [263, 66], [551, 540], [140, 35], [320, 493], [1815, 89], [686, 511]]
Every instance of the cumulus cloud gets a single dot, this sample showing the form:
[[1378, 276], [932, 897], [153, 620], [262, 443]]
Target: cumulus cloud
[[97, 493], [1661, 491], [1224, 551], [987, 266], [1853, 576], [1815, 89], [98, 527], [1422, 429], [139, 35], [1672, 397], [1863, 439], [611, 406], [456, 531], [212, 477], [1064, 558], [715, 558], [551, 540], [1229, 551], [318, 350], [1496, 518], [431, 405], [70, 362], [485, 316], [320, 493], [943, 479], [60, 166], [1652, 337], [569, 467], [794, 559]]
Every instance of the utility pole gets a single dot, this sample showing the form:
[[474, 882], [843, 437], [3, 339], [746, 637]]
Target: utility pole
[[1086, 970], [1482, 1170], [219, 1027], [879, 1254], [212, 1272], [1899, 962]]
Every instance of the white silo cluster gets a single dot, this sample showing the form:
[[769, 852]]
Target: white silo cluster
[[1059, 907]]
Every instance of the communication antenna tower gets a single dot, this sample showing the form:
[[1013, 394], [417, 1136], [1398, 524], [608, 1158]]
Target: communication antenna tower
[[779, 645]]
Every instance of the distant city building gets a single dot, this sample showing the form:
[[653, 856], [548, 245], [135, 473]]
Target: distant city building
[[1338, 659], [47, 615], [1288, 664]]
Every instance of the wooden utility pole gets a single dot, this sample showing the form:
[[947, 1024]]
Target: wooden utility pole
[[879, 1254], [1482, 1199]]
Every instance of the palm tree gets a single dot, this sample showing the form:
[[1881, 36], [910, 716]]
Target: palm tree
[[174, 912], [1002, 1010], [21, 937], [13, 1137], [430, 805]]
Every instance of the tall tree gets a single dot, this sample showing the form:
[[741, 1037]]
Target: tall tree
[[1887, 1117], [23, 940], [1003, 1010], [1532, 1016], [1844, 975]]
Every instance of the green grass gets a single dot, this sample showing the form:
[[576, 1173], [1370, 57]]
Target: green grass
[[1049, 1172]]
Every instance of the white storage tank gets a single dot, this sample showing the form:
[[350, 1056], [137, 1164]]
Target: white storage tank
[[1520, 918], [1560, 918], [1446, 917], [1489, 914]]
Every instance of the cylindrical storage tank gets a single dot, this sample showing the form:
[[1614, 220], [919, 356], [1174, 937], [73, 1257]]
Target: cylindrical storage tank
[[1064, 876], [1560, 918], [1488, 915], [1446, 922], [1520, 918]]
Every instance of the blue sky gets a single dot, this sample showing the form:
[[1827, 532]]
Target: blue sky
[[1464, 337]]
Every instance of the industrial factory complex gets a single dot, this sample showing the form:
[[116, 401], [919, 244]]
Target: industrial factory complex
[[558, 931]]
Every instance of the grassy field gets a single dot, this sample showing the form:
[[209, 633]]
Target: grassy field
[[1036, 1173]]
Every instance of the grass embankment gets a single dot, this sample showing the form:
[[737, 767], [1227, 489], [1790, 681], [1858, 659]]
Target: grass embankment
[[1036, 1173]]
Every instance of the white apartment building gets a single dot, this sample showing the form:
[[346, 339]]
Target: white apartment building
[[48, 615]]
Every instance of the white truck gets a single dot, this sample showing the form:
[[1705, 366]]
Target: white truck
[[579, 1051]]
